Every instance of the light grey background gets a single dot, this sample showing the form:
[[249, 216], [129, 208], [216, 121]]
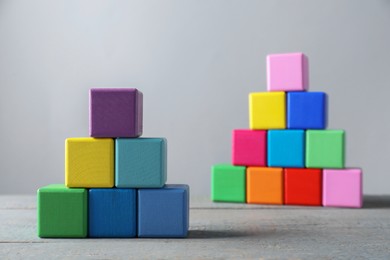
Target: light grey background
[[196, 62]]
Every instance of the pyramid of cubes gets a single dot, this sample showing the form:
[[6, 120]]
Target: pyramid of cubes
[[114, 180], [287, 156]]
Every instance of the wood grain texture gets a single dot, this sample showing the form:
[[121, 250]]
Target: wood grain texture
[[62, 212], [89, 162], [140, 162], [163, 212], [112, 213], [115, 112], [241, 230]]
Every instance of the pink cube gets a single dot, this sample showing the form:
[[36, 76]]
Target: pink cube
[[287, 72], [342, 188], [249, 147]]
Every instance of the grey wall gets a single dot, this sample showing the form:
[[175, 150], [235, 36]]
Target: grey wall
[[195, 61]]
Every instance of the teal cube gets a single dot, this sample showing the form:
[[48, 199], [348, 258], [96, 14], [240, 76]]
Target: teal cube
[[325, 148], [62, 211], [228, 183], [140, 162]]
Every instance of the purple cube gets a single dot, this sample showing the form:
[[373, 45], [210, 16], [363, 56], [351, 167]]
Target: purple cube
[[115, 112]]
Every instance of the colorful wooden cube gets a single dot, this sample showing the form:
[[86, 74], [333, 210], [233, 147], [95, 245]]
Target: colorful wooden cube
[[306, 110], [286, 148], [249, 147], [325, 148], [267, 110], [287, 72], [228, 183], [115, 112], [163, 212], [303, 187], [62, 212], [264, 185], [112, 213], [89, 162], [140, 162], [342, 188]]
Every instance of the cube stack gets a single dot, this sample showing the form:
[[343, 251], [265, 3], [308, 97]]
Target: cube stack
[[114, 179], [287, 156]]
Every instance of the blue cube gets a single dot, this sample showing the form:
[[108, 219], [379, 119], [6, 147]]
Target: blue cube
[[140, 162], [286, 148], [112, 213], [306, 110], [163, 212]]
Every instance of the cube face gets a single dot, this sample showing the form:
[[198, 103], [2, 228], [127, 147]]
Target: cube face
[[267, 110], [264, 185], [62, 212], [306, 110], [286, 148], [325, 148], [140, 162], [115, 112], [163, 212], [342, 188], [112, 213], [228, 183], [303, 187], [249, 147], [89, 162], [287, 72]]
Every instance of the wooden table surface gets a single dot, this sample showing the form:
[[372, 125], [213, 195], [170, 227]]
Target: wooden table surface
[[218, 231]]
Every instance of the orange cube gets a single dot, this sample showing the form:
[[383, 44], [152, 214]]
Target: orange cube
[[264, 185]]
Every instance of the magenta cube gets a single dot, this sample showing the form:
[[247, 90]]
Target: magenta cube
[[249, 147], [342, 188], [115, 112], [287, 72]]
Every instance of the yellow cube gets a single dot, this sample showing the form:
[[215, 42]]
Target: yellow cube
[[267, 110], [89, 162]]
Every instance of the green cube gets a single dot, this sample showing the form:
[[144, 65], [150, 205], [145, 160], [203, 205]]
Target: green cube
[[325, 148], [62, 211], [228, 183]]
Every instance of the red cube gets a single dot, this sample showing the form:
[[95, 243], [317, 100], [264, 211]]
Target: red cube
[[303, 187]]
